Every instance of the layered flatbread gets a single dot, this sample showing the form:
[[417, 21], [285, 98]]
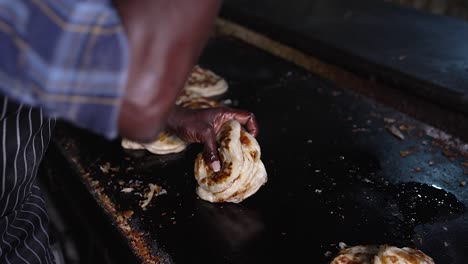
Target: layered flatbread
[[395, 255], [165, 143], [242, 172], [385, 254], [204, 83], [199, 102], [356, 255]]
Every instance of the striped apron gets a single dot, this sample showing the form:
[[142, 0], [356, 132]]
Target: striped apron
[[24, 136]]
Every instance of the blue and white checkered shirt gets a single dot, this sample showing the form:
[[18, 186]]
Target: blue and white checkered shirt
[[69, 57]]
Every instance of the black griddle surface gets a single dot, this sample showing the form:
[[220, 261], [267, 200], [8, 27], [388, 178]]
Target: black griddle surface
[[422, 53], [335, 175]]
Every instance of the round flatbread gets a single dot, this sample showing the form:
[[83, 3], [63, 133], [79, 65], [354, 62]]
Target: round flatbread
[[242, 172], [384, 254], [204, 83], [356, 255], [406, 255], [166, 143], [199, 102], [186, 96], [132, 145]]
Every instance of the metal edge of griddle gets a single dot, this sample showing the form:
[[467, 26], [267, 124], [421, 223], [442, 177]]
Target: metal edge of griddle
[[136, 241], [444, 118], [86, 223]]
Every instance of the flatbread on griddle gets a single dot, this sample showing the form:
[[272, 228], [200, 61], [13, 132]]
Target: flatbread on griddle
[[242, 172], [166, 143], [132, 145], [199, 102], [204, 83], [406, 255], [384, 254], [356, 255]]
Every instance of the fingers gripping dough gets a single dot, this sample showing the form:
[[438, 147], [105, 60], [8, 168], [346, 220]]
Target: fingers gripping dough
[[201, 83], [166, 142]]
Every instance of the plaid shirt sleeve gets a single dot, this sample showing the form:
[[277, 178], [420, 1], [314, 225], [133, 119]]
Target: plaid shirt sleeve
[[69, 57]]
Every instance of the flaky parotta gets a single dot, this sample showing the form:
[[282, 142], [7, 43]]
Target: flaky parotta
[[242, 172], [406, 255], [165, 143], [384, 254], [205, 83]]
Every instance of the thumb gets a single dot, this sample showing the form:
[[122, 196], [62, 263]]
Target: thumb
[[211, 150]]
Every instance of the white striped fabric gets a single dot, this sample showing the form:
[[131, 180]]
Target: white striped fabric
[[24, 136]]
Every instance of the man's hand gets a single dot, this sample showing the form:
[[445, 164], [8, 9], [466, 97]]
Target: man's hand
[[166, 38], [202, 125]]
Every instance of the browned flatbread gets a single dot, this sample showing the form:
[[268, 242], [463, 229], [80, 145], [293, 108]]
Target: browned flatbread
[[204, 83], [356, 255], [166, 143], [199, 102], [395, 255], [242, 172], [385, 254]]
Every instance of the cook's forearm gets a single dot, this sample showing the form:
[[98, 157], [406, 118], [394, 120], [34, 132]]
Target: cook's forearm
[[165, 40]]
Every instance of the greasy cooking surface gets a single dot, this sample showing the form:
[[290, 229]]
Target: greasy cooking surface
[[422, 53], [335, 174]]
